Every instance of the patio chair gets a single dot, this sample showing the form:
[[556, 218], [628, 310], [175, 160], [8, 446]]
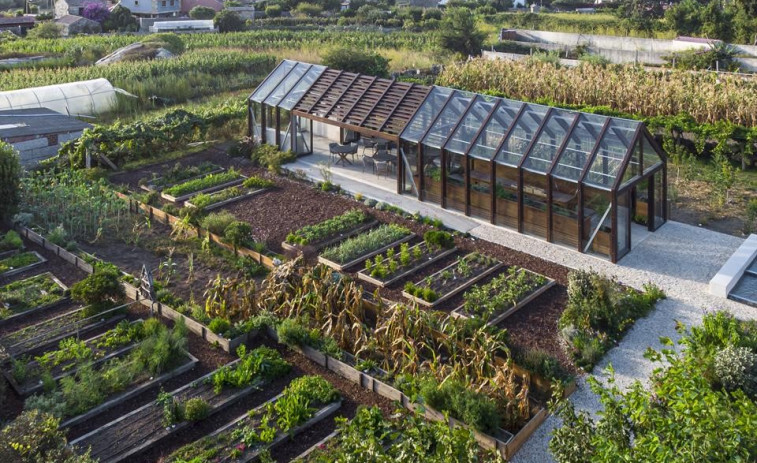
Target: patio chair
[[381, 166], [369, 161], [333, 149], [366, 143]]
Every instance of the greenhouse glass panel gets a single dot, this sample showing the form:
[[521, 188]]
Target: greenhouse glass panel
[[550, 139], [581, 143], [490, 138], [650, 157], [613, 147], [448, 119], [463, 136], [520, 137], [632, 173], [274, 78], [287, 84], [426, 114], [301, 87]]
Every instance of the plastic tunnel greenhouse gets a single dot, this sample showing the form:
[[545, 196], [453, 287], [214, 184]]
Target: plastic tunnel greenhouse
[[85, 98], [581, 180]]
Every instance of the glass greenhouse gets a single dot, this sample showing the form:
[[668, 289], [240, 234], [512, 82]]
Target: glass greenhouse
[[577, 179]]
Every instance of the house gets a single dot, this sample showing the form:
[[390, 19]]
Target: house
[[37, 133], [75, 25], [73, 7], [17, 24], [153, 8], [187, 5]]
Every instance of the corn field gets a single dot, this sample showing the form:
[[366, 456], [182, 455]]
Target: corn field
[[708, 97]]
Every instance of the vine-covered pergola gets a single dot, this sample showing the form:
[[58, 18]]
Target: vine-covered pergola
[[572, 178]]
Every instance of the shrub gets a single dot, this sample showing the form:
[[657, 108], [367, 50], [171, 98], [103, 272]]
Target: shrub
[[120, 20], [202, 12], [219, 325], [196, 409], [218, 221], [96, 12], [34, 436], [472, 408], [439, 239], [45, 30], [168, 40], [99, 288], [736, 368], [354, 60], [11, 240], [58, 235], [228, 21], [271, 157], [309, 10], [10, 178], [459, 32], [238, 234], [273, 11]]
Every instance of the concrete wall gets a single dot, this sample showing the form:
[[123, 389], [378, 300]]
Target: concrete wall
[[619, 49], [38, 149]]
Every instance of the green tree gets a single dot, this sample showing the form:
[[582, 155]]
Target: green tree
[[459, 32], [310, 10], [683, 18], [354, 60], [120, 20], [228, 21], [237, 234], [46, 30], [202, 12], [10, 178]]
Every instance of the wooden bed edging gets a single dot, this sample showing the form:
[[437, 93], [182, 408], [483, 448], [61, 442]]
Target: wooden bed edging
[[460, 313], [174, 429], [228, 345], [322, 413], [340, 267], [128, 394], [9, 273], [212, 189], [37, 387], [506, 448], [64, 299], [72, 259], [226, 202], [11, 252], [455, 291], [167, 219], [333, 240], [363, 275], [149, 187]]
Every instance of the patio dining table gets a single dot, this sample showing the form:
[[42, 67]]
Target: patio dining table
[[343, 151]]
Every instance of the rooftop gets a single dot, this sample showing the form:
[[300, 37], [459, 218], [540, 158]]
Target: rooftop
[[37, 121]]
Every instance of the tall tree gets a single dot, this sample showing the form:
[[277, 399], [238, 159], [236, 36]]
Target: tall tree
[[459, 32]]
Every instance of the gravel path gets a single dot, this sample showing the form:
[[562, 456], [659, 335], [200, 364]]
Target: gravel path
[[679, 258]]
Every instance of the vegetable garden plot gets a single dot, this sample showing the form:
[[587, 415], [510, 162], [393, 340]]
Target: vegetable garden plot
[[29, 377], [206, 184], [331, 231], [17, 263], [148, 425], [250, 187], [356, 249], [503, 296], [30, 295], [305, 402], [40, 336], [442, 285], [179, 174], [395, 264]]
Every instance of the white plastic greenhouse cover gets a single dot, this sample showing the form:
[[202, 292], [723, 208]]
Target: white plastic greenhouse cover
[[84, 98]]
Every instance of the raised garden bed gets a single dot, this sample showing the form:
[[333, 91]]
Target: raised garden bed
[[38, 337], [207, 184], [260, 429], [146, 426], [356, 249], [446, 283], [330, 231], [20, 262], [34, 294], [403, 262], [179, 174], [503, 296], [70, 355], [142, 384], [208, 202]]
